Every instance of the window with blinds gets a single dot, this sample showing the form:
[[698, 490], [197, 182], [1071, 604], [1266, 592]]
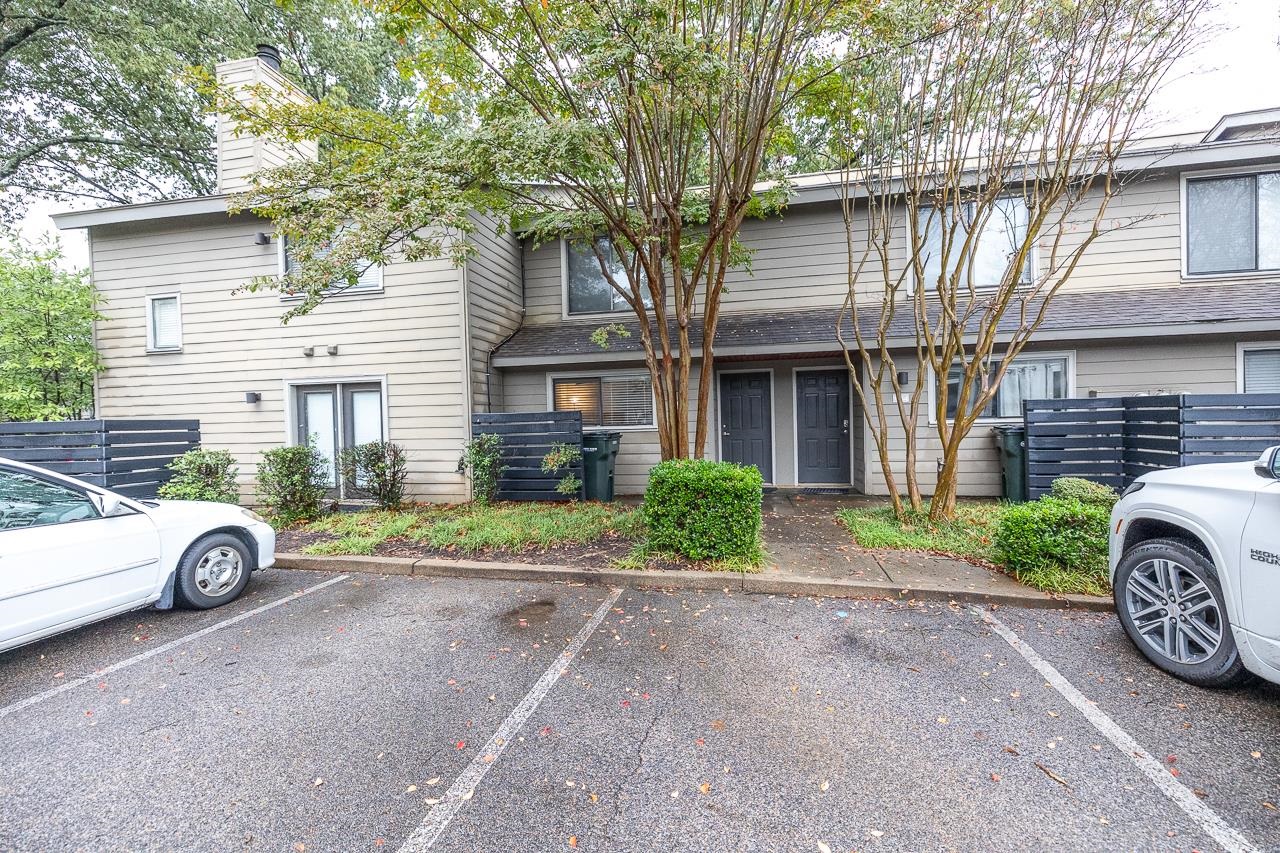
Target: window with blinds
[[368, 274], [1262, 371], [164, 323], [1233, 224], [606, 401]]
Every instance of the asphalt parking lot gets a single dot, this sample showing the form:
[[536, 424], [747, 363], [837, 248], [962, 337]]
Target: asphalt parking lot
[[413, 714]]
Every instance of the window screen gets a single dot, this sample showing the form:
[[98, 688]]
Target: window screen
[[1262, 371], [368, 274], [1026, 379], [606, 401], [589, 292], [1221, 218], [1002, 234], [166, 323]]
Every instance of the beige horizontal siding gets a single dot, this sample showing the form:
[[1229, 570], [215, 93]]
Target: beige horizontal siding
[[233, 343], [495, 305], [800, 258]]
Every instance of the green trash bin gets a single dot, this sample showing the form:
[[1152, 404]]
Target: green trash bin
[[599, 452], [1011, 439]]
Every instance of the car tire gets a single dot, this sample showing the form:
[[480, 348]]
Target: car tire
[[1157, 584], [213, 572]]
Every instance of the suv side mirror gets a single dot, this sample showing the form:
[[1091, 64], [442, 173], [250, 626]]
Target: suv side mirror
[[1268, 464]]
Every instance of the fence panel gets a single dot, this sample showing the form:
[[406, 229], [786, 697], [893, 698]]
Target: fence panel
[[127, 456], [526, 438], [1084, 438]]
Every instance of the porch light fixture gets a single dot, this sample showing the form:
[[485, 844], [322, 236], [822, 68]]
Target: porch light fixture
[[252, 397], [902, 377], [262, 238]]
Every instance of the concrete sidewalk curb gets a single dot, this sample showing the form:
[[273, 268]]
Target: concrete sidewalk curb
[[768, 583]]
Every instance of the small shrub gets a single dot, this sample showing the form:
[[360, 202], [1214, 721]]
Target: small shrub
[[1085, 491], [702, 509], [1053, 537], [562, 456], [482, 458], [377, 469], [202, 475], [292, 482]]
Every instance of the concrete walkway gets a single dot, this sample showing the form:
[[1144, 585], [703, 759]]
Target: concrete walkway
[[805, 540]]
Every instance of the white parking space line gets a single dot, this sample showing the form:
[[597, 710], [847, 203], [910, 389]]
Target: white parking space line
[[1230, 839], [161, 649], [462, 788]]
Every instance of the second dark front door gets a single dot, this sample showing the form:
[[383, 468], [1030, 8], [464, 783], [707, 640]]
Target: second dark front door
[[746, 433], [822, 426]]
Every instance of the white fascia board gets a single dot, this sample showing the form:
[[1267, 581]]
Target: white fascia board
[[140, 212]]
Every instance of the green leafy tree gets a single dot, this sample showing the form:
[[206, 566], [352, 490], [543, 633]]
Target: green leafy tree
[[650, 122], [96, 102], [47, 357]]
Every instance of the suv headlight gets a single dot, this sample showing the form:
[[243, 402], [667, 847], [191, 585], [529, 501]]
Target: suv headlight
[[253, 515], [1134, 487]]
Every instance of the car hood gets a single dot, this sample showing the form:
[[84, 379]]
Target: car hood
[[1223, 475], [166, 513]]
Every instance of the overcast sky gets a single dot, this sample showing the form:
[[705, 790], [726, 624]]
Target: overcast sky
[[1236, 71]]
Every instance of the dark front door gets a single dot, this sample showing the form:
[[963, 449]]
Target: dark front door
[[746, 432], [822, 426]]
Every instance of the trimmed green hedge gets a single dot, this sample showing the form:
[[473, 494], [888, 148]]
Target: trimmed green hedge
[[1054, 533], [1085, 491], [704, 510]]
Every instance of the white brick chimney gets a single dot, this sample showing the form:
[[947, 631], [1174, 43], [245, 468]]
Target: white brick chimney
[[251, 80]]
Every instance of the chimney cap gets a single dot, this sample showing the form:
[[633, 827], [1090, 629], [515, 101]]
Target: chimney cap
[[269, 55]]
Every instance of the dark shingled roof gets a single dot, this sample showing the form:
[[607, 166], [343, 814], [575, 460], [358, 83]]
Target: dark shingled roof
[[808, 330]]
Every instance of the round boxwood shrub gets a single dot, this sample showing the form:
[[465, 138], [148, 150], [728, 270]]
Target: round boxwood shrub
[[1085, 491], [202, 475], [1054, 533], [293, 482], [703, 510]]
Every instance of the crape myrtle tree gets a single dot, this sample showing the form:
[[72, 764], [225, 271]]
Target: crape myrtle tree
[[978, 167], [647, 122], [96, 101]]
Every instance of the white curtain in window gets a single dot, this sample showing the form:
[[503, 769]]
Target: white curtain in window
[[1030, 379]]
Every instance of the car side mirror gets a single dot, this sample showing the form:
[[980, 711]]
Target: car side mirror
[[106, 504], [1268, 464]]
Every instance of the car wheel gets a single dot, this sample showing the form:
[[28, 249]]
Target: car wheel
[[1170, 602], [214, 571]]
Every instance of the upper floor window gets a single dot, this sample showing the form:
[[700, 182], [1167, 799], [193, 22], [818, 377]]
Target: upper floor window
[[1233, 224], [617, 400], [164, 323], [1002, 234], [1028, 378], [587, 291], [368, 274]]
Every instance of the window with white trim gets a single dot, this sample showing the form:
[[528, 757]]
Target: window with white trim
[[164, 323], [1028, 378], [1002, 234], [368, 274], [587, 291], [1233, 224], [624, 400], [1261, 371]]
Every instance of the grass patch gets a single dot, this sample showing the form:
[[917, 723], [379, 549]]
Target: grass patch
[[970, 537], [474, 528], [516, 526]]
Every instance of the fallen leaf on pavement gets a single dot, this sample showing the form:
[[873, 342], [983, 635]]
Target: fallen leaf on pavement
[[718, 725], [573, 841], [995, 777], [824, 847], [434, 780], [318, 782], [825, 785], [1255, 754], [704, 788], [411, 789]]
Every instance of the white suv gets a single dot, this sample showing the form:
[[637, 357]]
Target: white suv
[[1195, 563]]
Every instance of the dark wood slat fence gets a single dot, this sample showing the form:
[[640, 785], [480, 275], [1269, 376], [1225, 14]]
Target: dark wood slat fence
[[526, 438], [126, 456], [1114, 440]]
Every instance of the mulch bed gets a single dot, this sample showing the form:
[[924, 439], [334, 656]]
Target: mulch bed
[[599, 554]]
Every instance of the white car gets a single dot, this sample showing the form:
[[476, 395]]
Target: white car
[[1195, 564], [71, 553]]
